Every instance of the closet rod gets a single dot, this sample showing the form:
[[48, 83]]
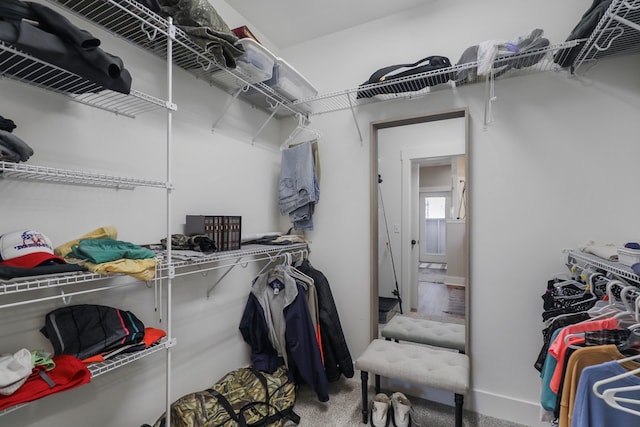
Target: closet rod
[[239, 261], [302, 252], [611, 266]]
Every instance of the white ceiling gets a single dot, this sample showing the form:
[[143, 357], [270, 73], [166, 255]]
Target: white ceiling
[[287, 22]]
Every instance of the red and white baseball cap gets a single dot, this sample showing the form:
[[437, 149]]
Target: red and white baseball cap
[[26, 249]]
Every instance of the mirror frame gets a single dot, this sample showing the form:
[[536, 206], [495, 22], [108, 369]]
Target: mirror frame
[[373, 260]]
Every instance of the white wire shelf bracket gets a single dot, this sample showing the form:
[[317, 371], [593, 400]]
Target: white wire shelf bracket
[[419, 85], [147, 30], [21, 67], [617, 33], [23, 171], [100, 368], [616, 268]]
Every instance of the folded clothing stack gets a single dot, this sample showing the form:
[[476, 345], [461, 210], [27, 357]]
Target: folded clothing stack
[[12, 148]]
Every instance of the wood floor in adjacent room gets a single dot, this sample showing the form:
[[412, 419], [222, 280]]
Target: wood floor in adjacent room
[[437, 300]]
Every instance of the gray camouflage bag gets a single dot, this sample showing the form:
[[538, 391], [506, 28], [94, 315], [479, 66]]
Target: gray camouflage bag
[[245, 397]]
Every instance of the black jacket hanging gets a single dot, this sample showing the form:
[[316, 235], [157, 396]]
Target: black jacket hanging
[[337, 358]]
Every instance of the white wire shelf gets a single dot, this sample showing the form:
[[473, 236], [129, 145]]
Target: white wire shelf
[[60, 280], [100, 368], [231, 258], [122, 359], [34, 283], [617, 33], [534, 61], [25, 171], [24, 68], [616, 268], [228, 260], [142, 27]]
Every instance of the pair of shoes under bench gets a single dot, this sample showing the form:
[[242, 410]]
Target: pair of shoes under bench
[[395, 410]]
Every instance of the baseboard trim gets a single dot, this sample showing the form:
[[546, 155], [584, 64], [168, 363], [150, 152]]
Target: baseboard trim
[[483, 403], [504, 407]]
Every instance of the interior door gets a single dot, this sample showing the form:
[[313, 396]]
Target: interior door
[[433, 226]]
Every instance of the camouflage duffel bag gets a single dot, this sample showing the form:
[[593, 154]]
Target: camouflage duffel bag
[[244, 397]]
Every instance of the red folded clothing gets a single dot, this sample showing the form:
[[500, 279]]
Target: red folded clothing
[[69, 372]]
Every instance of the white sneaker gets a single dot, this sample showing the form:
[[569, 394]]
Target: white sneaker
[[401, 410], [380, 410]]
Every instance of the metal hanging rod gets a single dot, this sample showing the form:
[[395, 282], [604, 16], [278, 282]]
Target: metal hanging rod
[[616, 268]]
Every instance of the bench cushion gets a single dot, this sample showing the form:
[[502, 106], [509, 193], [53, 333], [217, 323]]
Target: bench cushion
[[437, 368], [424, 331]]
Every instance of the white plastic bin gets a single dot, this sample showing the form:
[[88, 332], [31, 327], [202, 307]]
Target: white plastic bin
[[256, 61], [289, 82], [628, 257]]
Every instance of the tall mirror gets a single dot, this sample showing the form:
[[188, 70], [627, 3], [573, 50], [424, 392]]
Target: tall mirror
[[420, 219]]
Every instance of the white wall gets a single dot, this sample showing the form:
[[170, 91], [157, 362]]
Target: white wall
[[457, 250], [435, 176], [554, 170]]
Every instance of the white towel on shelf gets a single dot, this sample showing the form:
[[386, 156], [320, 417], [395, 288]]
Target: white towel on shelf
[[608, 251]]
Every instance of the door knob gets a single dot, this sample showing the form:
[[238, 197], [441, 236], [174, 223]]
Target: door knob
[[413, 242]]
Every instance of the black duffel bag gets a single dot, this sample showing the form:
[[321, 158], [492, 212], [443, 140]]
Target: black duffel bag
[[405, 84]]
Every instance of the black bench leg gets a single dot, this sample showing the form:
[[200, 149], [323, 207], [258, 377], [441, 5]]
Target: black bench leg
[[459, 399], [364, 377], [377, 384]]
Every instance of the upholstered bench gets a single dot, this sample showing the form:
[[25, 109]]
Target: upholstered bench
[[437, 368], [424, 331]]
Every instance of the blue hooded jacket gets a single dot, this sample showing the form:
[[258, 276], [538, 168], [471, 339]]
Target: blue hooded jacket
[[287, 325]]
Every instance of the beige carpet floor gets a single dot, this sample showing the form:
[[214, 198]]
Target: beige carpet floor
[[344, 409]]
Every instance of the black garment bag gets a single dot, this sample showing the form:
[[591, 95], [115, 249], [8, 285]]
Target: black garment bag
[[424, 65]]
